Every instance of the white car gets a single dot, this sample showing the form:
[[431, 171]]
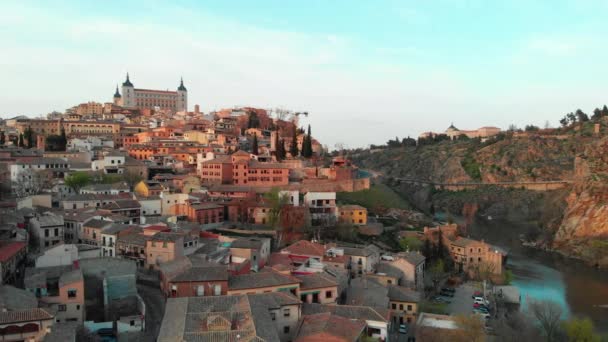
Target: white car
[[480, 300], [387, 258]]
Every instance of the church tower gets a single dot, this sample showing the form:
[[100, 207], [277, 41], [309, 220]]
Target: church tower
[[117, 97], [128, 93], [182, 98]]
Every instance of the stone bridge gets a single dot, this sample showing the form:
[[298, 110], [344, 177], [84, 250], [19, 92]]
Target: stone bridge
[[535, 185]]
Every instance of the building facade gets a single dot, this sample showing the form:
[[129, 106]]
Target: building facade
[[132, 97]]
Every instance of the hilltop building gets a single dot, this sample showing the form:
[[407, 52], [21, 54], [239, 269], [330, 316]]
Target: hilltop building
[[132, 97]]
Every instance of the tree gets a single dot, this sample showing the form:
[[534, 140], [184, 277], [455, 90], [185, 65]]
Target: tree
[[597, 113], [508, 278], [281, 152], [276, 201], [604, 111], [31, 182], [77, 180], [63, 139], [581, 116], [564, 121], [427, 249], [472, 328], [531, 128], [253, 120], [307, 145], [254, 145], [548, 314], [28, 137], [2, 138], [437, 272], [440, 250], [294, 142], [410, 244], [21, 144], [580, 330]]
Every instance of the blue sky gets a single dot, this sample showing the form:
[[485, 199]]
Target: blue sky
[[365, 70]]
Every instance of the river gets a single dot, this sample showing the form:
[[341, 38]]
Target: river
[[578, 288]]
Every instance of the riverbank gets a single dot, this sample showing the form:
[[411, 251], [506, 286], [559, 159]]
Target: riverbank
[[580, 290]]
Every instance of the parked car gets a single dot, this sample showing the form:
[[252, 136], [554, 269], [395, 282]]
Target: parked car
[[403, 328], [484, 310], [447, 293], [448, 289], [477, 305], [480, 300], [477, 294], [482, 314], [387, 257], [441, 299]]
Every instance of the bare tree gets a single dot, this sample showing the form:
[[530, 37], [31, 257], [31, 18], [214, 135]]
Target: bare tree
[[548, 314], [30, 182], [516, 327]]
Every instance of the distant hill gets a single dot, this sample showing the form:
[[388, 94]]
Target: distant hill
[[575, 153]]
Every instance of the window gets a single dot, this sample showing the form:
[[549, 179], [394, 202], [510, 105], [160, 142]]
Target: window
[[286, 312], [78, 307], [132, 322], [46, 233], [72, 293], [394, 306], [273, 316], [409, 307], [61, 307], [401, 307], [479, 259], [328, 294], [286, 329]]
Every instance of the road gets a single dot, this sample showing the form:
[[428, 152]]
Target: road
[[155, 310]]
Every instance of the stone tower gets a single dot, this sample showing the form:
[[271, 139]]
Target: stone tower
[[117, 97], [128, 93], [182, 97]]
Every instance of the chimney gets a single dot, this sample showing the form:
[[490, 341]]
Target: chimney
[[197, 109]]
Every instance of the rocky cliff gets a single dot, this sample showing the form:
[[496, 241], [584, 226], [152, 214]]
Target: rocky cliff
[[583, 231], [573, 221]]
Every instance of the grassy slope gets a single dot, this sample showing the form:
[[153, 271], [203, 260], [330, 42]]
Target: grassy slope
[[379, 195]]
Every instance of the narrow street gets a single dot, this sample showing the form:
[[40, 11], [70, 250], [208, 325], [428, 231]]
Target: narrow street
[[155, 310]]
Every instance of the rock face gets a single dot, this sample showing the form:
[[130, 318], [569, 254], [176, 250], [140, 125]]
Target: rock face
[[584, 229]]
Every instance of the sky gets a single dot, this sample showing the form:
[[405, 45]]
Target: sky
[[366, 71]]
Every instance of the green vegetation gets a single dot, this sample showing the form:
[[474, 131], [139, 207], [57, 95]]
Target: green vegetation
[[77, 180], [435, 308], [471, 167], [410, 244], [378, 197], [581, 330], [508, 277]]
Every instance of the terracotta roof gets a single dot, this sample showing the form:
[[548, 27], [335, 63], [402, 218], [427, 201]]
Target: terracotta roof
[[261, 279], [462, 242], [316, 281], [30, 315], [213, 273], [305, 247], [329, 327], [8, 250], [403, 294]]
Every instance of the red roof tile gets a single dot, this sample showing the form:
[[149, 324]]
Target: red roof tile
[[8, 250]]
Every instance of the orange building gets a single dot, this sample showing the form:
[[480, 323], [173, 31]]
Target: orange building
[[216, 171], [203, 213], [163, 247], [477, 256]]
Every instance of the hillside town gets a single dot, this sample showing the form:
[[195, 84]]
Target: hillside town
[[138, 220]]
